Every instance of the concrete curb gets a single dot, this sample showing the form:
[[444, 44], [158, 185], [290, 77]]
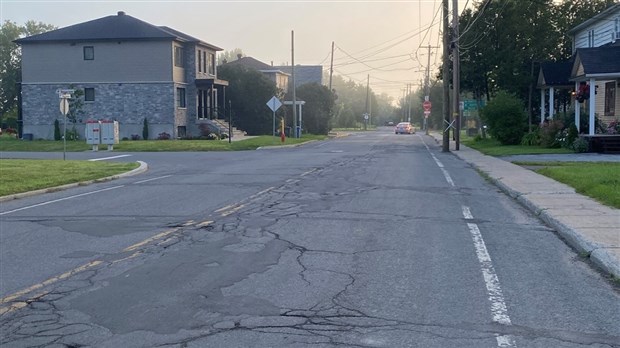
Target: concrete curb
[[271, 147], [141, 169], [601, 255]]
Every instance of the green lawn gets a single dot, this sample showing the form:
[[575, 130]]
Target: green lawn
[[492, 147], [597, 180], [12, 144], [18, 175]]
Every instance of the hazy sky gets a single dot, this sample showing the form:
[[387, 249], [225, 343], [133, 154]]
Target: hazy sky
[[381, 38]]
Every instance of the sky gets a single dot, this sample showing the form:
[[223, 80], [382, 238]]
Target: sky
[[384, 39]]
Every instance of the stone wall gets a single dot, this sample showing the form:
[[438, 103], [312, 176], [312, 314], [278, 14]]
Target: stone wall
[[127, 103]]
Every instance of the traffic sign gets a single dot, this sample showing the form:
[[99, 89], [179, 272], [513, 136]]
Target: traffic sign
[[427, 105], [64, 106], [274, 104], [366, 116]]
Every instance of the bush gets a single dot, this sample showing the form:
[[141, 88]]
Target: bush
[[550, 134], [72, 134], [531, 138], [212, 136], [571, 136], [613, 127], [506, 118], [163, 136], [135, 137], [57, 135], [580, 145], [145, 129]]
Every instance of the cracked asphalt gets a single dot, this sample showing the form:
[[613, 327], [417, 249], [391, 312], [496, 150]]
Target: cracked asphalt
[[352, 242]]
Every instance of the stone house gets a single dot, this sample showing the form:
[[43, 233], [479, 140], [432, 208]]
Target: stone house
[[129, 70]]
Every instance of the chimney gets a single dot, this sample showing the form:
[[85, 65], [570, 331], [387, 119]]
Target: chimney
[[121, 13]]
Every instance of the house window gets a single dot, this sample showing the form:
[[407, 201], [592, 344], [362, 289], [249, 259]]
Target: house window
[[199, 61], [89, 94], [181, 97], [204, 61], [89, 52], [610, 98], [211, 63], [178, 56], [591, 38]]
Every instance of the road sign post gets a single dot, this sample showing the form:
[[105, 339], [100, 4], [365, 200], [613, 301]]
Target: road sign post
[[274, 104], [64, 95]]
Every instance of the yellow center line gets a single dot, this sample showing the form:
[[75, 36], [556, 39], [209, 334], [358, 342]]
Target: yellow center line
[[49, 281], [149, 240], [226, 213]]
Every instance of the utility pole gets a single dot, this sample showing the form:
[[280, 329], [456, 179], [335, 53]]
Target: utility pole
[[331, 68], [446, 80], [456, 77], [409, 103], [293, 77], [367, 92]]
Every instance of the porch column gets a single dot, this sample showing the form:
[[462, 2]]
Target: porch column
[[542, 105], [551, 103], [577, 108], [592, 102]]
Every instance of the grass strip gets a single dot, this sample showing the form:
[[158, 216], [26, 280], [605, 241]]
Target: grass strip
[[23, 175], [493, 147], [597, 180], [12, 144]]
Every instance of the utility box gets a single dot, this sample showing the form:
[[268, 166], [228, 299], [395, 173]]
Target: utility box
[[93, 134]]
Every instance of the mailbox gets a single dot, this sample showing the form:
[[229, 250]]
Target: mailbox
[[93, 132], [109, 132]]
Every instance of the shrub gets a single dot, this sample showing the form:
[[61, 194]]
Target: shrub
[[163, 136], [571, 136], [57, 135], [72, 134], [11, 131], [135, 137], [580, 145], [550, 134], [506, 118], [613, 127], [145, 129], [212, 136], [531, 138]]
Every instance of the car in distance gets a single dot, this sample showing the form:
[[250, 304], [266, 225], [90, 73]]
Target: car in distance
[[404, 128]]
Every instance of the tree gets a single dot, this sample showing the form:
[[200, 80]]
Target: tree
[[317, 111], [229, 56], [249, 91], [506, 119], [10, 61]]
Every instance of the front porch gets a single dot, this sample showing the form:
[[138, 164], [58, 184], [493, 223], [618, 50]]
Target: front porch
[[604, 143]]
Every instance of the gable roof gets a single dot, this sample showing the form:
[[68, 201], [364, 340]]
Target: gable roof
[[304, 73], [555, 73], [610, 9], [597, 61], [250, 63], [116, 27]]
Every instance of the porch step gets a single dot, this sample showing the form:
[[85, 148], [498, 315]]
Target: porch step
[[609, 144], [224, 127]]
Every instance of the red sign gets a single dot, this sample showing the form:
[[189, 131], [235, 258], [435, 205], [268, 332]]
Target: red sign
[[427, 105]]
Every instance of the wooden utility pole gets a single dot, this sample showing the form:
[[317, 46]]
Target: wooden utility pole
[[367, 92], [456, 74], [331, 68], [294, 135], [446, 80]]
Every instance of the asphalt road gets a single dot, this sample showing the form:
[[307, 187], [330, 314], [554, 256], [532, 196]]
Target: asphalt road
[[373, 240]]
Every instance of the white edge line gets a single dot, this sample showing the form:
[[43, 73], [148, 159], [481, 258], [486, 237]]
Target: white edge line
[[107, 158], [60, 200], [151, 179], [467, 213]]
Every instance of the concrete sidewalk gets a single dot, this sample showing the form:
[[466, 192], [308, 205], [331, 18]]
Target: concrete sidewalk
[[588, 226]]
